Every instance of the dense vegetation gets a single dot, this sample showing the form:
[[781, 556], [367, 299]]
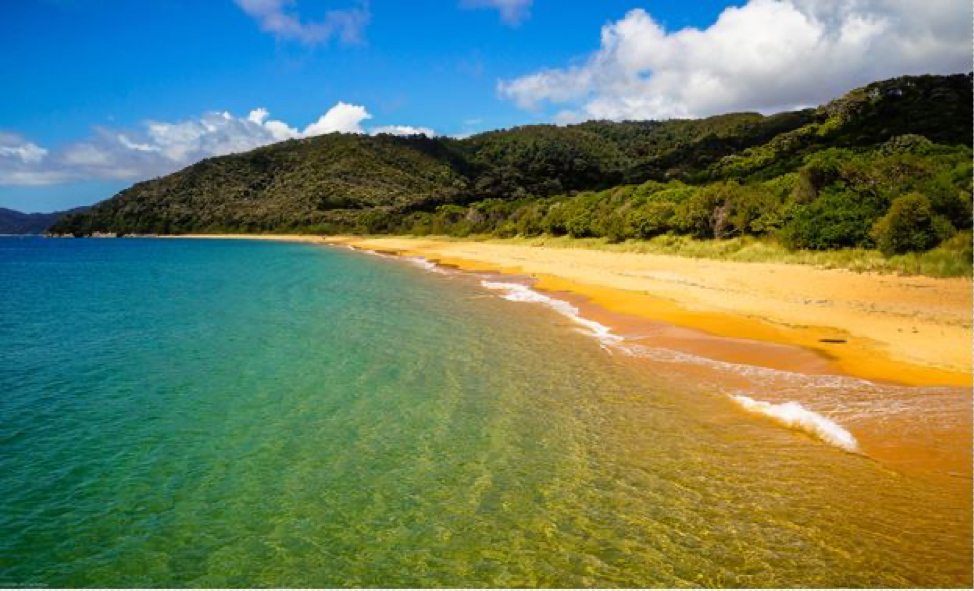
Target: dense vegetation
[[887, 166]]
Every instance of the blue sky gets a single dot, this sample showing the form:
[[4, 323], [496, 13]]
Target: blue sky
[[100, 94]]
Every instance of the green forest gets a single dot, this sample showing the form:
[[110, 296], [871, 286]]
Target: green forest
[[887, 166]]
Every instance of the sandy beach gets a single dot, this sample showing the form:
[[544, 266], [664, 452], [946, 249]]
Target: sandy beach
[[910, 330]]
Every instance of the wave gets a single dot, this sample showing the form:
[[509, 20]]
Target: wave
[[824, 381], [425, 264], [516, 292], [374, 253], [796, 416]]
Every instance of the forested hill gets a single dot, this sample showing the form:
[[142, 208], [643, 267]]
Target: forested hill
[[15, 222], [818, 178]]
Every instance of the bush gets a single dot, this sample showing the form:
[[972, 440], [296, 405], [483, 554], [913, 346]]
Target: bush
[[756, 210], [652, 219], [695, 215], [910, 225], [837, 219]]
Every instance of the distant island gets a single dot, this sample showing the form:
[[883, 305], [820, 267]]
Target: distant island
[[16, 222], [886, 166]]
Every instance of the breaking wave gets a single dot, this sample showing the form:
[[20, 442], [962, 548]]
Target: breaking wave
[[778, 376], [425, 264], [796, 416], [516, 292]]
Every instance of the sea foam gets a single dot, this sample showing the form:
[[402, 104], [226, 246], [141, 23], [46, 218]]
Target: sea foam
[[516, 292], [766, 374], [794, 415], [425, 264]]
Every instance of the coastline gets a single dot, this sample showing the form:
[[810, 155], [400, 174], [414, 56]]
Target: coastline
[[906, 330], [753, 330]]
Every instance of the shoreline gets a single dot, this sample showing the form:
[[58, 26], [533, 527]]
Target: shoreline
[[911, 427], [905, 330], [931, 427], [891, 329]]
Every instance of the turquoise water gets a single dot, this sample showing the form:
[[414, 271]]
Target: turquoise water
[[242, 413]]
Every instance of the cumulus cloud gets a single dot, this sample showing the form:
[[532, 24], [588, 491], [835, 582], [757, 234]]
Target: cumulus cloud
[[160, 147], [342, 117], [513, 12], [767, 55], [403, 130], [274, 16]]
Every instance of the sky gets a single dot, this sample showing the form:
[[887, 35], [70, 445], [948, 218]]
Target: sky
[[100, 94]]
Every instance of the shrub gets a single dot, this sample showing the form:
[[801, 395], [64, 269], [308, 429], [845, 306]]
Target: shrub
[[836, 219], [652, 219], [910, 225], [695, 215], [756, 210]]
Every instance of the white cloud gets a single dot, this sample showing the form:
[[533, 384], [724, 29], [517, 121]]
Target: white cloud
[[28, 153], [513, 12], [15, 147], [162, 147], [342, 117], [86, 155], [278, 129], [20, 161], [768, 55], [403, 130], [125, 141], [274, 17]]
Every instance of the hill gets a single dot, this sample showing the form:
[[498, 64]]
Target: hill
[[15, 222], [886, 165]]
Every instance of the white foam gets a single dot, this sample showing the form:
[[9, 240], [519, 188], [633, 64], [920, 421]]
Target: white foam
[[516, 292], [778, 376], [796, 416], [425, 264], [374, 253]]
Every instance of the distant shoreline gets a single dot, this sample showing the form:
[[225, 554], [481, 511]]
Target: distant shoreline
[[273, 237]]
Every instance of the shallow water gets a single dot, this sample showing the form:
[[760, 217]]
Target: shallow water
[[235, 413]]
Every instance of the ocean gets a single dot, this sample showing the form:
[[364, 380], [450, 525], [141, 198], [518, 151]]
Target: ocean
[[238, 413]]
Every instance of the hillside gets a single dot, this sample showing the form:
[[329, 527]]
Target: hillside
[[887, 165], [15, 222]]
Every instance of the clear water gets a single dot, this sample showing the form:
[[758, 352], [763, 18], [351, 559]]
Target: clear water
[[236, 413]]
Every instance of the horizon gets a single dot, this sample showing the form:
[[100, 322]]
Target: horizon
[[101, 119]]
